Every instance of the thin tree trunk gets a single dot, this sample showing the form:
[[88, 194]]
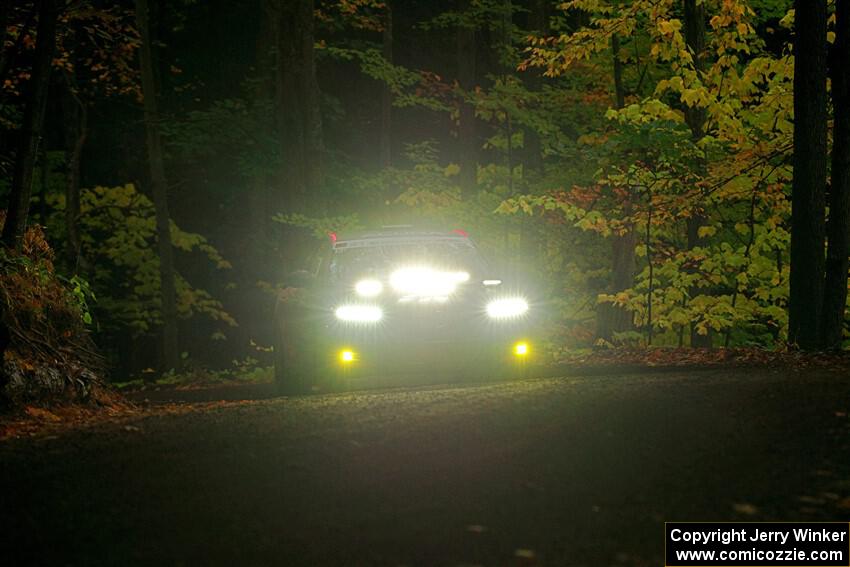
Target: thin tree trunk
[[838, 225], [386, 94], [809, 160], [619, 90], [76, 129], [159, 191], [36, 106], [5, 11], [651, 286], [39, 213], [468, 146], [695, 118], [537, 23]]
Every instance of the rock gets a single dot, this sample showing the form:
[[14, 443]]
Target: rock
[[26, 382]]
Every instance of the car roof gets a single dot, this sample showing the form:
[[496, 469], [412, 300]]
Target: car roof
[[392, 235]]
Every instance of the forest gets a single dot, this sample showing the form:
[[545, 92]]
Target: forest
[[666, 173]]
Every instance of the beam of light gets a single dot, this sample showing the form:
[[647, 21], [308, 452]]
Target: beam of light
[[521, 348], [347, 356], [420, 281]]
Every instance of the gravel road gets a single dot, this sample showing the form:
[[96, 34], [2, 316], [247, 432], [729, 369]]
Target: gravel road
[[556, 471]]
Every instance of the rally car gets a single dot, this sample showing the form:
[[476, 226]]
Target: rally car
[[397, 301]]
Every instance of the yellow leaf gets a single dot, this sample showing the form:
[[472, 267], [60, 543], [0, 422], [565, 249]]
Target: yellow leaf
[[706, 231]]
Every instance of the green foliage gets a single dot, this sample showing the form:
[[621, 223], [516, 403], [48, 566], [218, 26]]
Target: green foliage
[[654, 175], [118, 240], [243, 371], [320, 227], [227, 125], [409, 88], [44, 314], [83, 295]]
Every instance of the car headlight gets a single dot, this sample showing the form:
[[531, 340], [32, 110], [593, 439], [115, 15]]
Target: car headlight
[[507, 307], [359, 313], [368, 288]]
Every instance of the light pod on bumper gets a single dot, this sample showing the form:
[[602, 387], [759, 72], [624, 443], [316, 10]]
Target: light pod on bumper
[[507, 308]]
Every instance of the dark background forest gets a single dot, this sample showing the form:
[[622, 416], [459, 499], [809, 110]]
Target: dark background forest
[[165, 165]]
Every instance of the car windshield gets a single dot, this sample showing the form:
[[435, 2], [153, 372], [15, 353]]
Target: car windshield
[[379, 259]]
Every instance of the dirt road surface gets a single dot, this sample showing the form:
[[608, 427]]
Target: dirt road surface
[[556, 471]]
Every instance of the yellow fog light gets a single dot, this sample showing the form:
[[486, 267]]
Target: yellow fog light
[[521, 349], [347, 356]]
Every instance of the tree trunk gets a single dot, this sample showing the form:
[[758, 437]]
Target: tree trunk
[[298, 109], [266, 45], [468, 145], [809, 161], [695, 119], [257, 215], [314, 145], [288, 109], [36, 106], [159, 191], [695, 39], [386, 94], [838, 224], [619, 90], [76, 127], [612, 318]]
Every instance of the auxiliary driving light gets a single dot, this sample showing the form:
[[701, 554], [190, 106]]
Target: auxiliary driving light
[[347, 356], [521, 349], [507, 308], [368, 288], [359, 313]]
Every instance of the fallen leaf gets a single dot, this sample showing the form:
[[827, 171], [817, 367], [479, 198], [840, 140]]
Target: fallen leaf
[[42, 414], [746, 509]]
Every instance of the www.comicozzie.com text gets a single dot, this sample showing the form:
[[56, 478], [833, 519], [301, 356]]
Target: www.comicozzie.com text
[[743, 534]]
